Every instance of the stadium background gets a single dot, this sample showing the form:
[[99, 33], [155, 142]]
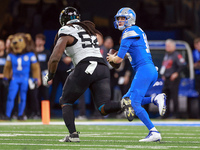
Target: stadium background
[[160, 19]]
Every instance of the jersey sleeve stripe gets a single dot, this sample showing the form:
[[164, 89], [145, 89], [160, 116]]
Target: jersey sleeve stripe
[[130, 34]]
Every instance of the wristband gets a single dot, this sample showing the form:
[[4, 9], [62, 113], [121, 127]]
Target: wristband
[[50, 76]]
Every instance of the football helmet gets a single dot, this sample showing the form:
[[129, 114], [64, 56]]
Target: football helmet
[[69, 15], [129, 15]]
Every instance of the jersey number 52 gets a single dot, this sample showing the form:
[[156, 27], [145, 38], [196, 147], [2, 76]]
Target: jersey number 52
[[88, 41]]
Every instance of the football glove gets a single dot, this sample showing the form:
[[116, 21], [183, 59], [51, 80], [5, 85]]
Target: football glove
[[49, 76]]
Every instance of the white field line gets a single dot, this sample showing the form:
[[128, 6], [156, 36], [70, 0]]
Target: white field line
[[125, 141], [107, 146], [88, 135], [124, 123], [94, 134]]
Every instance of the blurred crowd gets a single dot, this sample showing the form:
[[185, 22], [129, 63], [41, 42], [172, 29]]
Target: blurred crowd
[[120, 80]]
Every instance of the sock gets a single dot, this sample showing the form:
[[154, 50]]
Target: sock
[[154, 95], [153, 129], [68, 116]]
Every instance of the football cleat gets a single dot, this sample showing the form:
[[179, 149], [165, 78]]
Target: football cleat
[[74, 137], [128, 109], [160, 101], [153, 136]]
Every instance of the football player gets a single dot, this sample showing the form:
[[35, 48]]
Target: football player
[[79, 41], [134, 43]]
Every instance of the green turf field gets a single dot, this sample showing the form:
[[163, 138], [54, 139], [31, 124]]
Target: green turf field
[[97, 137]]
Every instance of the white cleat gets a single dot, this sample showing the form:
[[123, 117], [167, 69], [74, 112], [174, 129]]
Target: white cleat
[[153, 136], [160, 101]]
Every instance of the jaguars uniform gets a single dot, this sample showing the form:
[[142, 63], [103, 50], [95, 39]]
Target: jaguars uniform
[[21, 65], [90, 67]]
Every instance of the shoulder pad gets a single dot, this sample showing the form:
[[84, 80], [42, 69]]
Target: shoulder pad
[[128, 33], [65, 30]]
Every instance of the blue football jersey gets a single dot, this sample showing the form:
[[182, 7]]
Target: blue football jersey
[[134, 43], [21, 64]]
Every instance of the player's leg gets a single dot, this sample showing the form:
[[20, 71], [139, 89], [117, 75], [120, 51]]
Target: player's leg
[[13, 89], [139, 87], [76, 84], [101, 92], [23, 94], [158, 100]]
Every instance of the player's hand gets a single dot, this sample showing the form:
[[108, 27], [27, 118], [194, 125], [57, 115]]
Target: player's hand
[[48, 78], [174, 76], [110, 57]]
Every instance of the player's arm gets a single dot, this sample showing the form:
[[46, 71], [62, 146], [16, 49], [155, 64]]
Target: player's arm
[[56, 55], [118, 58]]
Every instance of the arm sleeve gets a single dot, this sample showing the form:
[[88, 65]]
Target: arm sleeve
[[124, 46]]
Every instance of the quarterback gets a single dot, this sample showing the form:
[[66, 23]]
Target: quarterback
[[79, 41], [134, 43]]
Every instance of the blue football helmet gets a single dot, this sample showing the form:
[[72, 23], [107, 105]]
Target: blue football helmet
[[130, 16], [69, 15]]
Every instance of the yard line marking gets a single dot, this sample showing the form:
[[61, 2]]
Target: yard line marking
[[135, 141], [118, 146], [86, 135], [118, 123]]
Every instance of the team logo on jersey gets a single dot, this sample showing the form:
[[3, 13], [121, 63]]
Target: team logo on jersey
[[26, 58]]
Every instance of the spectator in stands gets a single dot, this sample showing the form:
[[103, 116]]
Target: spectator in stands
[[173, 63], [196, 58], [3, 85], [7, 44], [43, 57], [107, 45]]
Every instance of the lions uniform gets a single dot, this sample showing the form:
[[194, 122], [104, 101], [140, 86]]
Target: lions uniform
[[21, 65], [134, 43]]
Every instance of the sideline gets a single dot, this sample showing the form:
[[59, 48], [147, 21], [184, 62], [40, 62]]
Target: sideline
[[113, 123]]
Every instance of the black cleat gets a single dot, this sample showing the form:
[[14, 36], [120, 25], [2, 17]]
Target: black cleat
[[128, 109], [74, 137]]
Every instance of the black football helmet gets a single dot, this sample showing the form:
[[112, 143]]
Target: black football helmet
[[69, 15]]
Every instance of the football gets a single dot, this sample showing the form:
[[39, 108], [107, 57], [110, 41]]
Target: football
[[114, 65]]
